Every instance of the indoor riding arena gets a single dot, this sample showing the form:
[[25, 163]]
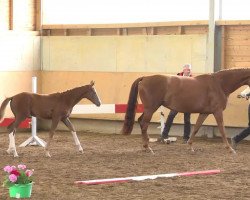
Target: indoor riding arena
[[103, 99]]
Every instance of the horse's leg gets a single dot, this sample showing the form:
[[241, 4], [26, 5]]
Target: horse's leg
[[140, 118], [144, 121], [12, 145], [199, 122], [12, 130], [71, 127], [219, 119], [11, 133], [54, 124]]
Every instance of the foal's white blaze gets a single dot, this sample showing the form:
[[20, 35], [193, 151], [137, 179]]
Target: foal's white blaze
[[97, 96], [12, 145], [77, 142]]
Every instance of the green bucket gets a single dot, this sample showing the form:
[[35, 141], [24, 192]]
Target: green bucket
[[20, 190]]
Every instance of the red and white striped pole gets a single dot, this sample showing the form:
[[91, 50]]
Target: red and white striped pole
[[103, 109], [141, 178]]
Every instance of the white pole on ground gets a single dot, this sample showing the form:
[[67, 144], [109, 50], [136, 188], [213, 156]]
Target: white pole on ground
[[34, 139], [148, 177]]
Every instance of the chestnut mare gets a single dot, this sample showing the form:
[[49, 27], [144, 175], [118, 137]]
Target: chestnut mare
[[56, 106], [204, 94]]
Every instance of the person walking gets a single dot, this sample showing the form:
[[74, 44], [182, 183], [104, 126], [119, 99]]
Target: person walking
[[172, 114], [243, 134]]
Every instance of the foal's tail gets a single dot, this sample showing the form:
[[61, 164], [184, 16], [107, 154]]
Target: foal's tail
[[3, 106], [131, 109]]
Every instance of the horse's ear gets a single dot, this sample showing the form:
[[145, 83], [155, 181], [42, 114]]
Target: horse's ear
[[92, 83]]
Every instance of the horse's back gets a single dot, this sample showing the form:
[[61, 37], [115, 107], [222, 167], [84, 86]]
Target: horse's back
[[172, 83], [183, 94], [159, 85], [20, 104], [27, 98], [150, 82], [23, 98], [31, 104]]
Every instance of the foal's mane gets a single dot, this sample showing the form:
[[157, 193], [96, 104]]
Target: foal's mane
[[73, 89]]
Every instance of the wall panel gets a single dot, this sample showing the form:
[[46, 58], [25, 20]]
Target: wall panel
[[124, 54], [19, 52], [237, 46]]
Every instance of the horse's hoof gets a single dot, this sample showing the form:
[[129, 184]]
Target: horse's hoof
[[166, 141], [15, 154], [233, 151], [150, 150], [80, 149], [192, 149], [47, 154], [8, 151]]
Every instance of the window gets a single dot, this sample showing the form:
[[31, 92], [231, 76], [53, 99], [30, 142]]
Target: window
[[132, 11]]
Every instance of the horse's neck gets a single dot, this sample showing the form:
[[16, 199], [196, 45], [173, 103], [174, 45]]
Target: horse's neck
[[231, 80], [75, 95]]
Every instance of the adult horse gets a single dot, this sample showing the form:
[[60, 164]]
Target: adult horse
[[205, 94], [56, 106]]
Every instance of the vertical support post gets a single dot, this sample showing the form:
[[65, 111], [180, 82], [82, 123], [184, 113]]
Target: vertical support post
[[33, 119], [11, 14], [211, 37], [151, 31], [38, 14], [223, 32], [220, 9]]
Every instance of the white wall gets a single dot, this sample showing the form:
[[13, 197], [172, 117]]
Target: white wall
[[19, 52]]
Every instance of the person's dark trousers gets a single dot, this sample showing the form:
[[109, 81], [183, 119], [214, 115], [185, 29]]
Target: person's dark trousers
[[168, 124], [242, 135], [187, 126], [246, 131]]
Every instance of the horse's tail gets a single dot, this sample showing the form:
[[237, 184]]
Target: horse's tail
[[131, 109], [3, 106]]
